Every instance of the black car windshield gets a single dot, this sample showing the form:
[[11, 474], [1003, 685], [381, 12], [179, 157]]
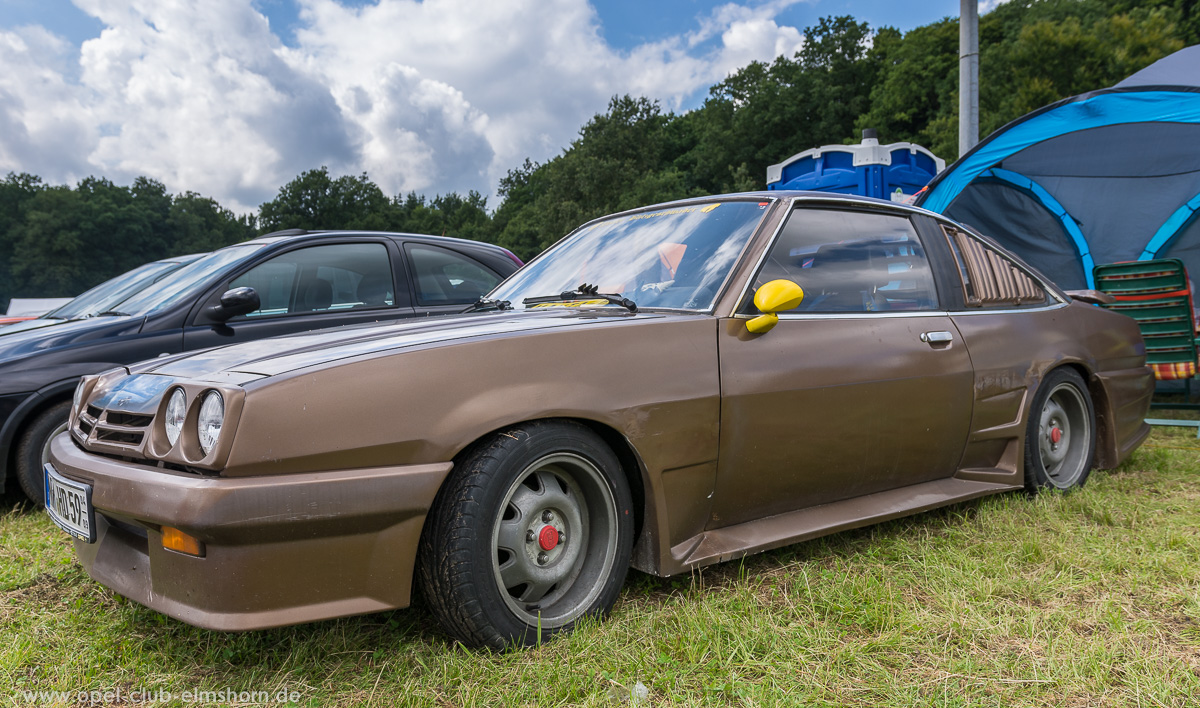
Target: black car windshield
[[673, 258], [185, 282], [106, 295]]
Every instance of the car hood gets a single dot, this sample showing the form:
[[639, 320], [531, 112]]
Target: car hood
[[23, 325], [25, 339], [271, 357]]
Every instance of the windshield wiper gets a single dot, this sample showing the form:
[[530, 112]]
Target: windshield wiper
[[484, 303], [113, 313], [584, 291]]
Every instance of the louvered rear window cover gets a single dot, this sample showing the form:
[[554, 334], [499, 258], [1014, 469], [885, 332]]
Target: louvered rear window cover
[[993, 279]]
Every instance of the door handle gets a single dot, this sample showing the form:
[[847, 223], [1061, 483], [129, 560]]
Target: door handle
[[936, 337]]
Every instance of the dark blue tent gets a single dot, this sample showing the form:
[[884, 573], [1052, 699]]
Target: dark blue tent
[[1107, 176]]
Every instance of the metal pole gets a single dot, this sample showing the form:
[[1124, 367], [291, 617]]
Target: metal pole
[[968, 75]]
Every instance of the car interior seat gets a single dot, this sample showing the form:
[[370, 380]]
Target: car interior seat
[[317, 295], [842, 274], [373, 289]]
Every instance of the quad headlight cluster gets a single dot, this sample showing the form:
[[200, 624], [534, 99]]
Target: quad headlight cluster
[[208, 421]]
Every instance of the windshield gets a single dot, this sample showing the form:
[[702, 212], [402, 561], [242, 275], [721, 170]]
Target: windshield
[[673, 258], [102, 297], [186, 281]]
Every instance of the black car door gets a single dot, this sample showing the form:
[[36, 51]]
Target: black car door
[[306, 286]]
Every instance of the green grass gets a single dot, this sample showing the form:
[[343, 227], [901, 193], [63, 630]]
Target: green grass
[[1087, 599]]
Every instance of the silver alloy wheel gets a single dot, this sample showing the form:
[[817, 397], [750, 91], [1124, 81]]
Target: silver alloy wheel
[[1064, 436], [62, 428], [555, 539]]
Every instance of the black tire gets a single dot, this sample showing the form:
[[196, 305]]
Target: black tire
[[555, 490], [33, 446], [1060, 436]]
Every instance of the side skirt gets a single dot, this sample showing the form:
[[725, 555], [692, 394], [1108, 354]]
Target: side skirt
[[720, 545]]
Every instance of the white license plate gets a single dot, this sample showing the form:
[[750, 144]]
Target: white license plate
[[70, 505]]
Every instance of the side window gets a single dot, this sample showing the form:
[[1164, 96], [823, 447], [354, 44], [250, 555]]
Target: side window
[[989, 278], [849, 261], [344, 276], [444, 277]]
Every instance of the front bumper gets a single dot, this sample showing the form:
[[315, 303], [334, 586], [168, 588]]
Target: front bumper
[[279, 549]]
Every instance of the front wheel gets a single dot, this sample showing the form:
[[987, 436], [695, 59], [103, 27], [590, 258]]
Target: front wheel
[[33, 449], [1060, 440], [532, 531]]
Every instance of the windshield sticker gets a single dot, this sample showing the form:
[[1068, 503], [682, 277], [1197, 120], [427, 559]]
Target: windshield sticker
[[569, 303], [672, 212]]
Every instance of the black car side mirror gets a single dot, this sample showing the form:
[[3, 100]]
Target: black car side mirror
[[238, 301]]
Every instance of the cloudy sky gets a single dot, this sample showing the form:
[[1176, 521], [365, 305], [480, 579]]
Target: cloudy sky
[[233, 98]]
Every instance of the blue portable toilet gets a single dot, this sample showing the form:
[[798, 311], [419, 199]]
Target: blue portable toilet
[[896, 171]]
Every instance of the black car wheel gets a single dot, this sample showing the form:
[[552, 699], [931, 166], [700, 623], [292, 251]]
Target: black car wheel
[[33, 450], [532, 531], [1060, 440]]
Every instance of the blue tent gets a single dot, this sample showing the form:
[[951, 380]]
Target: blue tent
[[1107, 176]]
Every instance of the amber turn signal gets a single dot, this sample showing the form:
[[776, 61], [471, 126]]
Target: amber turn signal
[[175, 540]]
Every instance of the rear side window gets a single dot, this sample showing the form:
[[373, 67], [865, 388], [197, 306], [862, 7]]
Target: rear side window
[[989, 278], [445, 277], [344, 276], [849, 261]]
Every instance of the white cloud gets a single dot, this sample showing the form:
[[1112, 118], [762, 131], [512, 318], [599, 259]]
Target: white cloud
[[989, 5], [432, 96], [43, 121]]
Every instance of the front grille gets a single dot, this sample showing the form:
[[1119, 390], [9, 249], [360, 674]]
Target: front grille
[[118, 436], [129, 419], [113, 431]]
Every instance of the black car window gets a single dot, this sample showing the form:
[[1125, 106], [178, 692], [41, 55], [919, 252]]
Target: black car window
[[444, 277], [344, 276], [851, 261]]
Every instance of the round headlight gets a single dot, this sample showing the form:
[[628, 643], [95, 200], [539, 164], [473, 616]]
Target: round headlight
[[176, 412], [212, 417]]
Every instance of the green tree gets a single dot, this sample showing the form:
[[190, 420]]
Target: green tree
[[197, 224], [622, 159], [449, 215], [314, 200], [16, 190]]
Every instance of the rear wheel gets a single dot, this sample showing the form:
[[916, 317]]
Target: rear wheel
[[1060, 440], [532, 531], [33, 449]]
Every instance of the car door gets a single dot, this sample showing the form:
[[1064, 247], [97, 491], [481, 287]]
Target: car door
[[865, 387], [1001, 303], [306, 287], [445, 280]]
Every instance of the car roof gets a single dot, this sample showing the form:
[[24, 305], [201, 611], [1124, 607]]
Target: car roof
[[779, 194], [303, 234], [182, 260]]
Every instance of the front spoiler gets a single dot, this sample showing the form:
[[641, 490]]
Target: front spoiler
[[279, 549]]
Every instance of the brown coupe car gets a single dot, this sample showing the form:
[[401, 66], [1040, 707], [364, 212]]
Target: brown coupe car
[[665, 388]]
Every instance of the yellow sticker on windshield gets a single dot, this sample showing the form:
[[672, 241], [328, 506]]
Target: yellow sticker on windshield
[[570, 303], [672, 212]]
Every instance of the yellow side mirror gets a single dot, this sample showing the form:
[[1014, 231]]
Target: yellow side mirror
[[772, 297]]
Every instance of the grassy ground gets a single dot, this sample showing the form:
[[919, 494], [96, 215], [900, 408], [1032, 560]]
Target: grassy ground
[[1079, 600]]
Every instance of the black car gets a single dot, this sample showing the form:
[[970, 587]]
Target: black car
[[289, 281]]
